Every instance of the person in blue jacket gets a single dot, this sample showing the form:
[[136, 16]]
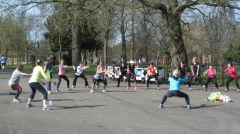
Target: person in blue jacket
[[174, 89]]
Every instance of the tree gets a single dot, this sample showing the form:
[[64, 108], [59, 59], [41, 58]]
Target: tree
[[171, 11]]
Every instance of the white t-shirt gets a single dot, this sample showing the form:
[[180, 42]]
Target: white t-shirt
[[80, 70]]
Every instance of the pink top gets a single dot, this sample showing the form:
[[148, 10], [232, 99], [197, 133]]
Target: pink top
[[61, 69], [232, 71], [211, 73]]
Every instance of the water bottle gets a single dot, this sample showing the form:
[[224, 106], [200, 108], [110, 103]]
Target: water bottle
[[50, 103]]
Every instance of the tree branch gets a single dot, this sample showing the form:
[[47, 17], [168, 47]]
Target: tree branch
[[154, 5], [214, 3]]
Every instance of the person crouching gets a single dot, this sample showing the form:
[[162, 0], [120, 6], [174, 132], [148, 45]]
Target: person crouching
[[174, 89]]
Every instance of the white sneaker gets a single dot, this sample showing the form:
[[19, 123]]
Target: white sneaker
[[190, 88], [49, 92], [96, 86], [16, 100], [104, 90], [238, 90], [46, 108], [91, 91], [87, 86], [146, 88], [187, 86], [57, 90], [158, 88], [73, 86]]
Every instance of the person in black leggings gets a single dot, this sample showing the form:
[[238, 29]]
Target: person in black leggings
[[174, 89], [123, 70], [196, 73]]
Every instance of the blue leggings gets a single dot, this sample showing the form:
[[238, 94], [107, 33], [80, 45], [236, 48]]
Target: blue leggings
[[37, 86]]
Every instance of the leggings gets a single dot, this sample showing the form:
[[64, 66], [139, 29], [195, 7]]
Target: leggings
[[129, 76], [214, 80], [59, 80], [153, 76], [37, 86], [99, 80], [17, 88], [120, 77], [175, 93], [199, 79], [230, 79], [81, 76]]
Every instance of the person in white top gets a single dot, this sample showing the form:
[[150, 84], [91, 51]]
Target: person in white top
[[79, 73], [100, 76]]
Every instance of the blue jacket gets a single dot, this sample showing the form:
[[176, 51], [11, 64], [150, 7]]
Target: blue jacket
[[175, 82]]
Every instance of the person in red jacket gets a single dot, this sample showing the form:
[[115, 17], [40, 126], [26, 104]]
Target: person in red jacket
[[233, 76]]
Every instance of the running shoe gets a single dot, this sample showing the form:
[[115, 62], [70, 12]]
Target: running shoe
[[46, 108], [158, 88], [226, 90], [104, 90], [161, 106], [238, 90], [57, 90], [73, 86], [16, 100], [189, 107], [91, 91], [146, 88], [29, 105], [69, 89], [49, 92], [190, 88]]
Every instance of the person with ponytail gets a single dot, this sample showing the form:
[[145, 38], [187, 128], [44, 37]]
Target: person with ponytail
[[35, 83]]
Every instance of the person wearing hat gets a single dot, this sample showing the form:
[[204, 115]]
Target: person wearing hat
[[174, 89], [131, 73]]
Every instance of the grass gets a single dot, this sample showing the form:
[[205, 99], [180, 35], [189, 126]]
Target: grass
[[28, 69]]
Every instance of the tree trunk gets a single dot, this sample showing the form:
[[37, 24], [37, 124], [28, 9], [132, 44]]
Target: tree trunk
[[76, 44], [177, 48], [105, 44]]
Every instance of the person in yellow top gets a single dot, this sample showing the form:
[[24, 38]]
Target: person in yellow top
[[35, 84], [152, 74]]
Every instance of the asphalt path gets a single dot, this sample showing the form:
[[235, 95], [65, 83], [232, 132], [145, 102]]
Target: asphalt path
[[118, 111]]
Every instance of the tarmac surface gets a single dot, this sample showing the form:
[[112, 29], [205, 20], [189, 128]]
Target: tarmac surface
[[118, 111]]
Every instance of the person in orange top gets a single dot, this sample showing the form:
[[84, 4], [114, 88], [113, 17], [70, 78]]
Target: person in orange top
[[233, 76], [152, 74]]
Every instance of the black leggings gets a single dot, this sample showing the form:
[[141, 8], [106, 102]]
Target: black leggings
[[129, 76], [37, 86], [214, 80], [230, 79], [199, 79], [99, 80], [17, 88], [59, 80], [81, 76], [176, 93], [120, 77], [152, 76]]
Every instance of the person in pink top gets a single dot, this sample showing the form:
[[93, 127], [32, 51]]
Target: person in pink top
[[233, 76], [211, 72], [61, 74]]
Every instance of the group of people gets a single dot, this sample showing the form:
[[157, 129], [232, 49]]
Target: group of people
[[176, 77], [211, 72]]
